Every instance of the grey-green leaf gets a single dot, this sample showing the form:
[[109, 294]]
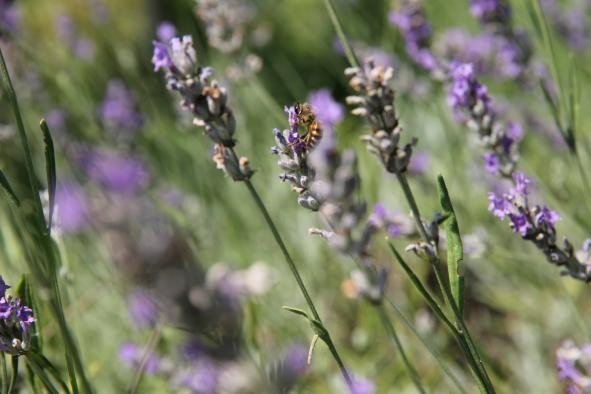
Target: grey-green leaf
[[455, 251], [51, 173], [8, 189]]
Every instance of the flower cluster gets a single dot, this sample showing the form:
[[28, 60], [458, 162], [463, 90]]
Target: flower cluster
[[472, 105], [413, 25], [205, 98], [536, 224], [489, 53], [293, 153], [573, 365], [495, 16], [225, 22], [15, 323], [375, 102]]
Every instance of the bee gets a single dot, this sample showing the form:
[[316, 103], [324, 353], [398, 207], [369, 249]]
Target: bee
[[313, 130]]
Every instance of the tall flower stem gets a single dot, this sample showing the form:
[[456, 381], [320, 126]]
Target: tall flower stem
[[328, 340], [446, 291], [46, 275]]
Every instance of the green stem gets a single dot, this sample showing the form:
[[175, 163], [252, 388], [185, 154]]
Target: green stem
[[436, 264], [4, 374], [458, 333], [328, 340], [71, 349], [392, 332], [429, 347], [148, 350], [341, 33], [14, 375]]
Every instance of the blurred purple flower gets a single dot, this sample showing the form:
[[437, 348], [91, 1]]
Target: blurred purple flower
[[10, 16], [547, 217], [56, 119], [131, 355], [125, 175], [498, 206], [571, 24], [520, 223], [143, 308], [490, 11], [200, 378], [15, 323], [161, 57], [465, 91], [72, 212], [165, 32], [521, 185], [328, 111], [362, 385], [419, 163], [118, 109], [417, 32], [66, 32], [492, 163]]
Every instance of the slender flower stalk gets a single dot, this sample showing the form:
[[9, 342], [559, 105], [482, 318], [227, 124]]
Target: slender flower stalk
[[207, 101], [44, 268], [327, 181], [375, 102]]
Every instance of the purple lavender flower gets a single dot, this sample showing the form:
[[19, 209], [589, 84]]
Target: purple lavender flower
[[521, 183], [492, 163], [131, 355], [395, 223], [490, 11], [498, 206], [465, 91], [118, 109], [15, 323], [419, 163], [200, 378], [10, 16], [165, 32], [143, 308], [72, 213], [411, 22], [161, 57], [520, 223], [120, 174], [362, 385], [65, 28], [328, 111], [571, 24], [547, 217], [573, 365]]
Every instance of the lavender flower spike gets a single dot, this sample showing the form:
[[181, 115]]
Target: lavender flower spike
[[292, 150], [375, 102], [205, 98], [472, 106], [15, 323]]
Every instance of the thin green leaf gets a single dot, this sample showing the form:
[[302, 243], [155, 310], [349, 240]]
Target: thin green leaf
[[14, 375], [422, 289], [297, 311], [40, 373], [8, 189], [50, 167], [45, 364], [455, 251]]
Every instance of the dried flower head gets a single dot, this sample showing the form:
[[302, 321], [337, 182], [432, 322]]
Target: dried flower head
[[375, 102]]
